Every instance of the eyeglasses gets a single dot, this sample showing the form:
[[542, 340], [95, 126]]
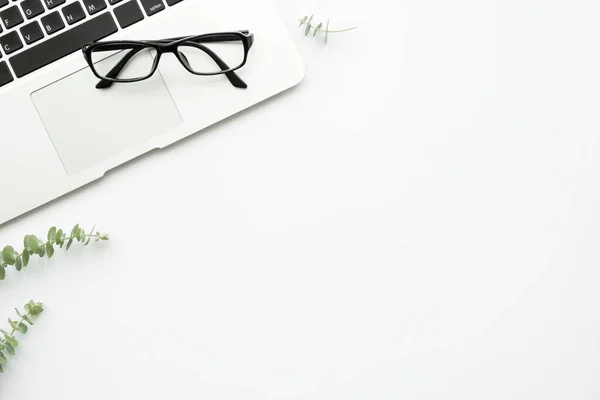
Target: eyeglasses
[[133, 61]]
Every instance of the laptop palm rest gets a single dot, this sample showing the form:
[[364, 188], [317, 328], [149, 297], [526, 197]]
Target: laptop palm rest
[[90, 126]]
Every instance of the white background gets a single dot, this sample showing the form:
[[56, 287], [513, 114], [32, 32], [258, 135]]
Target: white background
[[417, 220]]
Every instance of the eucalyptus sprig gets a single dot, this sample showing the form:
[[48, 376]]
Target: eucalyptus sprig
[[33, 245], [319, 27], [8, 343]]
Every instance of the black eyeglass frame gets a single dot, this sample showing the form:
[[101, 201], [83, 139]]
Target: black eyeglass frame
[[170, 46]]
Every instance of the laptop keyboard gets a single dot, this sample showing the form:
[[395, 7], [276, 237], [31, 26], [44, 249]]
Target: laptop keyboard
[[36, 33]]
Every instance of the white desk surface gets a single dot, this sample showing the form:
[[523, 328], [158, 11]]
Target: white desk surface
[[419, 219]]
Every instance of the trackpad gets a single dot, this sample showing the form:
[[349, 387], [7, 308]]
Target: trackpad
[[89, 126]]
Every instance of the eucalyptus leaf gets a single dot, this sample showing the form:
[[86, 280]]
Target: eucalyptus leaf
[[21, 327], [35, 308], [41, 251], [60, 237], [49, 249], [52, 234], [317, 29], [9, 255], [12, 324], [26, 243], [307, 30], [11, 341], [74, 230], [34, 243]]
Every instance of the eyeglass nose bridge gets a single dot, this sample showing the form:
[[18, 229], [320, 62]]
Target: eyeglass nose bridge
[[176, 53]]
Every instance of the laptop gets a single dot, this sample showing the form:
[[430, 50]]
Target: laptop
[[59, 132]]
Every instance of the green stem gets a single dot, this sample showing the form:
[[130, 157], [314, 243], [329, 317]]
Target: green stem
[[337, 31], [66, 239]]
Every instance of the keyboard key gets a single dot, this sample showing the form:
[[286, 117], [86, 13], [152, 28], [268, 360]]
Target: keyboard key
[[52, 23], [32, 32], [5, 75], [73, 13], [4, 3], [173, 2], [128, 14], [63, 44], [54, 3], [11, 42], [153, 6], [32, 8], [94, 6], [11, 17], [111, 2]]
